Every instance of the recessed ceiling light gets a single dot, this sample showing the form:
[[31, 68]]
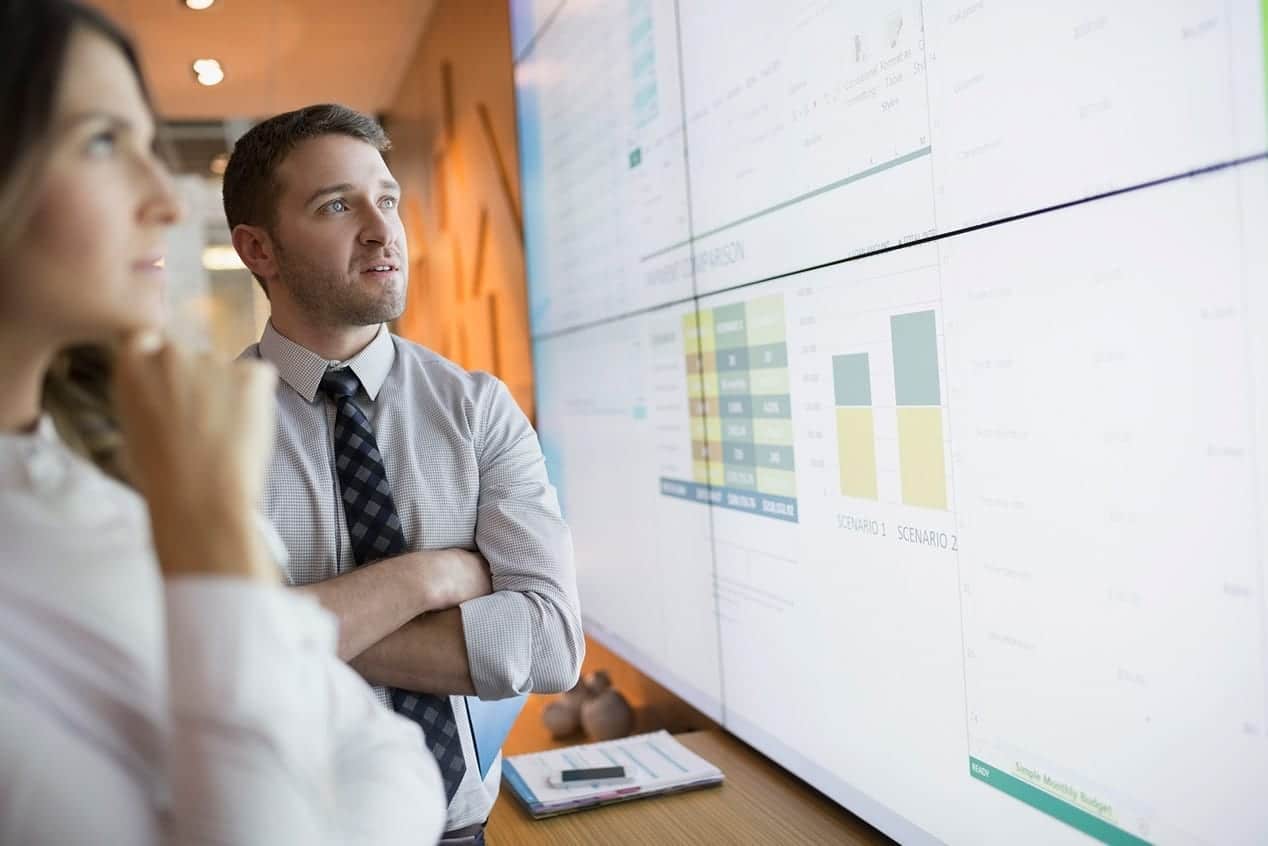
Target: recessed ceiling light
[[209, 71], [219, 163], [199, 5]]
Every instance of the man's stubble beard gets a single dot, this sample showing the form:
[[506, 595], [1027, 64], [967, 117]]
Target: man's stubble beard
[[328, 299]]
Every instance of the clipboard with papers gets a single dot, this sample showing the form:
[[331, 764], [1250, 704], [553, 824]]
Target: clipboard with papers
[[656, 763]]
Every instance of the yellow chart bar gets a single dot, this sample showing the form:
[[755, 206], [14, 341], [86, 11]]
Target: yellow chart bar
[[920, 452], [856, 442]]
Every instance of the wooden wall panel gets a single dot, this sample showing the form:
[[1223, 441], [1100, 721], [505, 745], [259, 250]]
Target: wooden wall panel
[[453, 131]]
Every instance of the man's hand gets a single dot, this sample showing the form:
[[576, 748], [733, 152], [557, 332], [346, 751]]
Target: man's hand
[[452, 576], [374, 601]]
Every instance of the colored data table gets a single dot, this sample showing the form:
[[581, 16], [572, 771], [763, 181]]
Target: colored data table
[[738, 394]]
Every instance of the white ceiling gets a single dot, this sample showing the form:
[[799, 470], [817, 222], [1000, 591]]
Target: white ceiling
[[277, 54]]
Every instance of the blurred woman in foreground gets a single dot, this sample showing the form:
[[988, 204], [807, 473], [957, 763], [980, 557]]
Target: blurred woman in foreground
[[157, 684]]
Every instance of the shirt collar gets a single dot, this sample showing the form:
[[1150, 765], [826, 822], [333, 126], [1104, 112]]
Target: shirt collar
[[44, 433], [302, 369]]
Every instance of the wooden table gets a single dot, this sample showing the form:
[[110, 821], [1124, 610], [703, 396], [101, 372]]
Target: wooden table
[[758, 803]]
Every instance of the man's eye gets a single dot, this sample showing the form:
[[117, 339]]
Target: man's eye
[[103, 144], [389, 202], [335, 206]]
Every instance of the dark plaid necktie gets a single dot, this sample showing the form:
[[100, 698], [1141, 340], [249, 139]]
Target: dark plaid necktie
[[375, 530]]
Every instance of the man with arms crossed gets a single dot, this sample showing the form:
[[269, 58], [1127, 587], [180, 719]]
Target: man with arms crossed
[[389, 454]]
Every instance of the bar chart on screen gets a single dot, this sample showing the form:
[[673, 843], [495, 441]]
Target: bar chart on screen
[[874, 416], [914, 364]]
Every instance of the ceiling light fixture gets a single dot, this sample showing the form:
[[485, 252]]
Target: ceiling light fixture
[[208, 71], [199, 5]]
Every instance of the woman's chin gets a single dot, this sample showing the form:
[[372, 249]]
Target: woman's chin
[[146, 308], [155, 322], [144, 317]]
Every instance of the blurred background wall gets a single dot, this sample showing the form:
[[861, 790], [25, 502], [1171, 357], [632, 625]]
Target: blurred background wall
[[453, 125]]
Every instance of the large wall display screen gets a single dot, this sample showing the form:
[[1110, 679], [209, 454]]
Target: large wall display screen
[[903, 369]]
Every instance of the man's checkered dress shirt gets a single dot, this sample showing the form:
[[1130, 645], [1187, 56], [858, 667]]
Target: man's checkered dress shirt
[[466, 470]]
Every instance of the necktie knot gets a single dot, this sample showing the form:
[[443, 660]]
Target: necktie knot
[[340, 384]]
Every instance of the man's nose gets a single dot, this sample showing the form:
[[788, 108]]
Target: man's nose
[[377, 229]]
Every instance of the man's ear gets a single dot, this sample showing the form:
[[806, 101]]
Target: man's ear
[[256, 250]]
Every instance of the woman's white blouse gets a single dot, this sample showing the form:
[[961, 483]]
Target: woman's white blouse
[[139, 711]]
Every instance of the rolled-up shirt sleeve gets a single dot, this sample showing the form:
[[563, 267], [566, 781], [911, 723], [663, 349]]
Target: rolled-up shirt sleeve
[[274, 740], [524, 637]]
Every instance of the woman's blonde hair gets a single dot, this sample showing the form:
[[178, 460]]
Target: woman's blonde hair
[[77, 398], [34, 43]]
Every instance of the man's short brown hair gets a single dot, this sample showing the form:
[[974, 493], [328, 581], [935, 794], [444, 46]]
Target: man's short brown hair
[[251, 186]]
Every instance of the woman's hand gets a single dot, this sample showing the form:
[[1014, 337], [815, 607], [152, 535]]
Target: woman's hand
[[198, 435]]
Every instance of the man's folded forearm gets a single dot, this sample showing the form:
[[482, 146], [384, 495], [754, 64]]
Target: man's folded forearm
[[427, 654], [522, 642], [372, 602]]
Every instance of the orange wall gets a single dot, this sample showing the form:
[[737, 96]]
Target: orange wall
[[453, 131]]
